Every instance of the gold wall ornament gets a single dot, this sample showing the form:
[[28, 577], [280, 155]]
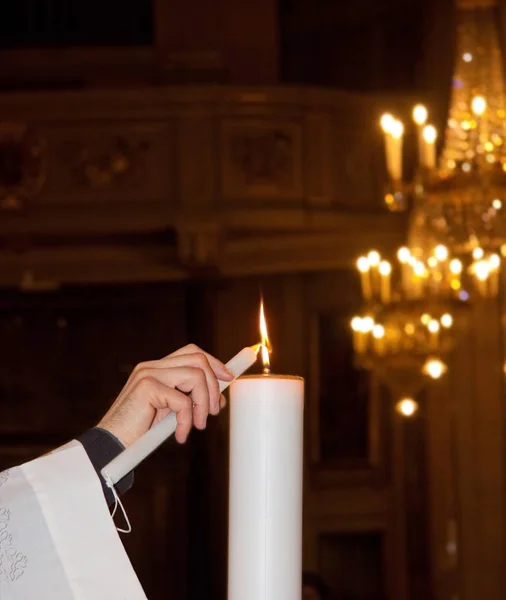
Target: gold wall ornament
[[102, 167], [22, 168]]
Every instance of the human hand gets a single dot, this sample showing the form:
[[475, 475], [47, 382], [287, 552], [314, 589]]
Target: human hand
[[184, 382]]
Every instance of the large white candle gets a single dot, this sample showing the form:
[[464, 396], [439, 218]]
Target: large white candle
[[265, 511]]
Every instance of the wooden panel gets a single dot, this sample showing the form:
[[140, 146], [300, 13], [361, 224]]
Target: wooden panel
[[261, 160], [348, 408], [92, 162], [52, 378], [352, 564]]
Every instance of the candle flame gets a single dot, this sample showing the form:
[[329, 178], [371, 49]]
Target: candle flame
[[266, 346]]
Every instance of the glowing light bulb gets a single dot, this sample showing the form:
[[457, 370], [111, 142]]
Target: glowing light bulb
[[356, 324], [497, 204], [363, 264], [425, 318], [420, 114], [481, 270], [433, 326], [385, 268], [447, 321], [378, 332], [409, 329], [397, 130], [467, 57], [478, 105], [455, 266], [434, 368], [432, 262], [374, 258], [441, 252], [419, 269], [494, 261], [403, 254], [367, 324], [387, 121], [429, 134], [478, 253], [407, 407]]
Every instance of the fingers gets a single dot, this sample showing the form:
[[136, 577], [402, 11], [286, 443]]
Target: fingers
[[220, 370], [185, 382], [162, 397], [189, 380], [192, 355]]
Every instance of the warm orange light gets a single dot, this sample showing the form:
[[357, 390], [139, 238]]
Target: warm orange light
[[266, 346]]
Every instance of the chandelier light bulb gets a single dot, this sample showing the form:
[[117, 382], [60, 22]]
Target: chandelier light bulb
[[420, 114], [494, 261], [397, 130], [367, 324], [447, 321], [409, 329], [387, 121], [419, 269], [455, 266], [430, 134], [403, 254], [385, 268], [434, 368], [363, 264], [425, 318], [374, 258], [433, 326], [478, 253], [478, 105], [378, 332], [356, 324], [406, 407], [432, 262], [481, 270], [497, 204], [441, 252]]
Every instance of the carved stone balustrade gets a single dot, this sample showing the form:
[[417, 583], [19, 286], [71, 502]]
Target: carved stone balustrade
[[151, 184]]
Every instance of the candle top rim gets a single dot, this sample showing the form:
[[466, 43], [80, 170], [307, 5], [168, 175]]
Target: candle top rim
[[271, 376]]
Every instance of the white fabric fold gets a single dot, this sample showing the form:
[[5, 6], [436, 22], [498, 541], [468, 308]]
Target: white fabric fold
[[57, 538]]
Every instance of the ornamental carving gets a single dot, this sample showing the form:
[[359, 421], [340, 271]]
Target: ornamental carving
[[22, 170], [262, 160], [92, 167], [265, 158]]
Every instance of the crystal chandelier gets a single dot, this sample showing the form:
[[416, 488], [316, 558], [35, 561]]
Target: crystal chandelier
[[416, 306]]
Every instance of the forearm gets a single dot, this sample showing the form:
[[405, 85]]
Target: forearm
[[101, 447]]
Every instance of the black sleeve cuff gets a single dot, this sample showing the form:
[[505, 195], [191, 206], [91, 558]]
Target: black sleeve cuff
[[101, 447]]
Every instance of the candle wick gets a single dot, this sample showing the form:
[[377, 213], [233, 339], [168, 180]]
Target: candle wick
[[267, 371]]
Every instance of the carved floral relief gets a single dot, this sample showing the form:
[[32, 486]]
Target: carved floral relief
[[22, 171]]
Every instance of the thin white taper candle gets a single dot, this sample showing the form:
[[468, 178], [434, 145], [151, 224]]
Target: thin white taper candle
[[149, 442]]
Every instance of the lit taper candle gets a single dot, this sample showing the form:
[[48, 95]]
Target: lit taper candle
[[265, 508], [149, 442]]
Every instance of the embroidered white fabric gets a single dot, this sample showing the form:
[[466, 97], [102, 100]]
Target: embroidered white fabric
[[57, 538]]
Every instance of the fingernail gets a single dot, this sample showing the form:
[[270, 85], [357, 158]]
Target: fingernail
[[223, 401], [227, 372]]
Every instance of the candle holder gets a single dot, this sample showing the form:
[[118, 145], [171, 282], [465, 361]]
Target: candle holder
[[402, 336]]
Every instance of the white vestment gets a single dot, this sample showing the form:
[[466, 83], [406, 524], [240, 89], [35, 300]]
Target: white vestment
[[57, 538]]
